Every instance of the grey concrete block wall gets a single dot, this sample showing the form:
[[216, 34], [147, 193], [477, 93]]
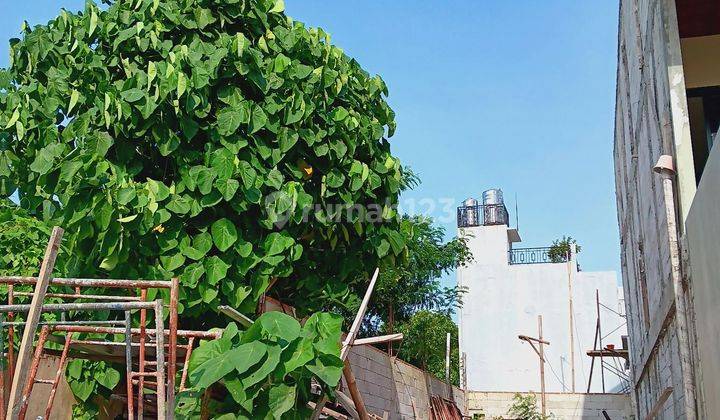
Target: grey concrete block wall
[[374, 376], [563, 406], [396, 387]]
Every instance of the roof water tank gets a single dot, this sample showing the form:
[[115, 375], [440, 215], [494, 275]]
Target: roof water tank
[[470, 212], [493, 210], [492, 196]]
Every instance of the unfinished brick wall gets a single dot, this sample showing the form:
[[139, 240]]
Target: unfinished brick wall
[[651, 120], [396, 387], [374, 376]]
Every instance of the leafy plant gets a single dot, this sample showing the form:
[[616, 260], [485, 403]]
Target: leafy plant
[[525, 407], [213, 140], [560, 249], [24, 239], [170, 138], [425, 341], [414, 283], [265, 372]]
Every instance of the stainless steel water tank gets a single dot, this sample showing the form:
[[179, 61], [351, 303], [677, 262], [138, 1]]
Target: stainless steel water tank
[[493, 210], [492, 196], [470, 212]]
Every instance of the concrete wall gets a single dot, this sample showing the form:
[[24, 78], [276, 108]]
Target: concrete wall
[[651, 120], [401, 390], [505, 300], [703, 233], [562, 406]]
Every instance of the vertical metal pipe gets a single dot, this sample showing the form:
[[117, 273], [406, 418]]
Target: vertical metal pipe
[[28, 386], [128, 364], [160, 357], [58, 375], [188, 353], [141, 358], [11, 333], [592, 359], [172, 344]]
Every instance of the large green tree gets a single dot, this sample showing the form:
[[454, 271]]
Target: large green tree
[[215, 140], [425, 343], [414, 283]]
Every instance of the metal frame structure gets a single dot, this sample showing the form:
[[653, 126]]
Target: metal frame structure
[[163, 369], [482, 215], [533, 256], [604, 352]]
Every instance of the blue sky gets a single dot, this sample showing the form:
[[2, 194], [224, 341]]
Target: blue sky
[[492, 93]]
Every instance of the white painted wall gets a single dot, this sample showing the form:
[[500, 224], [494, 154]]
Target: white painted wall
[[703, 237], [505, 300]]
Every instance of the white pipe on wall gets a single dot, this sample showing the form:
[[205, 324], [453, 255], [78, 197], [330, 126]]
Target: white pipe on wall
[[666, 169]]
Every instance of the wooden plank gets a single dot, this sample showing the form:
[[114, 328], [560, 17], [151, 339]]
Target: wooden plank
[[659, 404], [160, 357], [235, 315], [378, 339], [22, 367], [355, 328], [350, 339], [172, 346], [355, 392]]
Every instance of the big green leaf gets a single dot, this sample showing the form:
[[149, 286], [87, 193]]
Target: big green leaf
[[108, 378], [224, 234], [230, 118], [282, 399], [216, 269], [240, 359], [268, 366], [274, 324], [327, 368]]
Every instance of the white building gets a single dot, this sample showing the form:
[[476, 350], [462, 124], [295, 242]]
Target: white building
[[507, 288]]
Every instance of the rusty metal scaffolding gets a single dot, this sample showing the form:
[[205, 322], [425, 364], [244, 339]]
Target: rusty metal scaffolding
[[607, 352], [140, 344]]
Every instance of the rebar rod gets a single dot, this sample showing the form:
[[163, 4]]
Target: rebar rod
[[141, 358], [28, 386], [128, 364], [89, 306], [58, 375], [108, 283], [81, 296]]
